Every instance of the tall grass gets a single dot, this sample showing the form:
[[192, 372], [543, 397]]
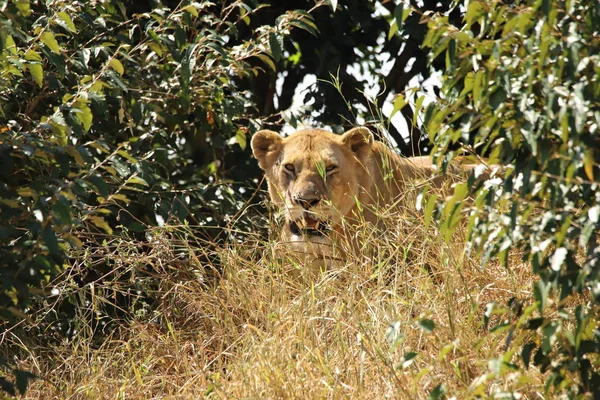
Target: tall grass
[[403, 318]]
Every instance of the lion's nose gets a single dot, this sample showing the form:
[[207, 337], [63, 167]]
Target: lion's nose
[[307, 203]]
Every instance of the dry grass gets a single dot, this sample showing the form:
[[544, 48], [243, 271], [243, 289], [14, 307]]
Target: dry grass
[[348, 332]]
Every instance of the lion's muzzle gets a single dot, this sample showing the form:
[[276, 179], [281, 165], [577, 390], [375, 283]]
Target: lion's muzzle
[[309, 227], [305, 218]]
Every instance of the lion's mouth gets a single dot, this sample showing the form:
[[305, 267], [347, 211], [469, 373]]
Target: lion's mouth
[[309, 226]]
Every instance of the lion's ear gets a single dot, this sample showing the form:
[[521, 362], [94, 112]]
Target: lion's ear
[[266, 146], [359, 140]]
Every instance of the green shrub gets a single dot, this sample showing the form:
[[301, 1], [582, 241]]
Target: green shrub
[[118, 117], [521, 87]]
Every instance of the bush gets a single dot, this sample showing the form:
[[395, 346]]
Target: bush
[[521, 86], [119, 117]]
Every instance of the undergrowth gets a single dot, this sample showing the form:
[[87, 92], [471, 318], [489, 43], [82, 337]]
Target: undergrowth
[[404, 319]]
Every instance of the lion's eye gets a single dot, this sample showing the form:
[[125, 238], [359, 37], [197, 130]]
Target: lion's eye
[[289, 167], [331, 168]]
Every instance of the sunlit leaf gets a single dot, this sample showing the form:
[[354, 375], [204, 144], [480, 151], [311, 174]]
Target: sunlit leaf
[[117, 66], [137, 181], [431, 203], [65, 20], [84, 114], [240, 137], [418, 105], [333, 4], [473, 12], [120, 197], [399, 103], [37, 73], [392, 31], [191, 8], [49, 40], [9, 45], [267, 60], [23, 7], [588, 164], [73, 241], [100, 223]]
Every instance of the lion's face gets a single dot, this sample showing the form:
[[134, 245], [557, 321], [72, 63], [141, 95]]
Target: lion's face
[[314, 176]]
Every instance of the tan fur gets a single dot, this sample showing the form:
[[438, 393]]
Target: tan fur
[[366, 176]]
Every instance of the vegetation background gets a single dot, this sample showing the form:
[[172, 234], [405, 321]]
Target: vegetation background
[[135, 250]]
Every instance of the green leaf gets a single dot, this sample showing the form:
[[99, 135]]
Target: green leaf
[[23, 7], [64, 20], [275, 46], [37, 73], [473, 12], [497, 98], [399, 103], [451, 54], [306, 24], [501, 327], [32, 55], [100, 184], [136, 227], [460, 192], [84, 115], [439, 392], [526, 353], [101, 223], [427, 325], [418, 105], [120, 197], [398, 15], [468, 84], [10, 46], [35, 68], [191, 8], [408, 359], [541, 290], [240, 138], [49, 40], [244, 12], [62, 211], [546, 8], [477, 85], [446, 350], [549, 336], [429, 210], [117, 66], [137, 181], [588, 164], [50, 240], [267, 60], [73, 241], [393, 30]]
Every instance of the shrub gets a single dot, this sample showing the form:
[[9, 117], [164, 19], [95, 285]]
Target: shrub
[[521, 87], [119, 117]]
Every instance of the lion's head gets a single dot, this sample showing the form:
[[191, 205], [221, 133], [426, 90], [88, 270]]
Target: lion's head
[[314, 176]]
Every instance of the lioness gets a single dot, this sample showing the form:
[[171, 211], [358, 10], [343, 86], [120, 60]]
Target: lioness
[[323, 183]]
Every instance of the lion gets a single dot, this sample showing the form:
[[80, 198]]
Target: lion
[[325, 183]]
